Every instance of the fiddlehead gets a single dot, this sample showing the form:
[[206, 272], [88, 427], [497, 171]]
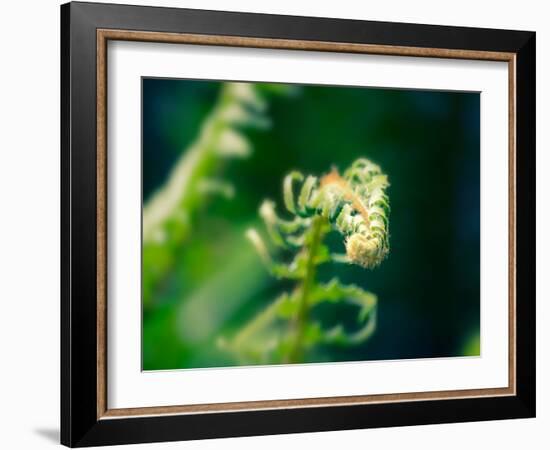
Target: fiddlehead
[[354, 204]]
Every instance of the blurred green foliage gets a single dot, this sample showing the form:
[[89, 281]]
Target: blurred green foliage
[[169, 214], [428, 289]]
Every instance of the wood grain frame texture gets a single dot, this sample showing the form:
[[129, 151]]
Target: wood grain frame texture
[[105, 35]]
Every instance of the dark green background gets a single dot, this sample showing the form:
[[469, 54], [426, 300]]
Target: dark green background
[[428, 288]]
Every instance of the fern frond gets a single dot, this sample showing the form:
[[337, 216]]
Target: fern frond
[[169, 214], [357, 206], [220, 137], [334, 292]]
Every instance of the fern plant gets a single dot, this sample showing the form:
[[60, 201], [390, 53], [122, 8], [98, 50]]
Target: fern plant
[[356, 206], [168, 216]]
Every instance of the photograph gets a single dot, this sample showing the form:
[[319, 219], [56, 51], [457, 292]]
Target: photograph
[[302, 224]]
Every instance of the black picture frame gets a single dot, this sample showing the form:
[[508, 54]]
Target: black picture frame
[[80, 425]]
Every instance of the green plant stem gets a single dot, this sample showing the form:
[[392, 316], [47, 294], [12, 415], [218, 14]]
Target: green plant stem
[[317, 232], [258, 323]]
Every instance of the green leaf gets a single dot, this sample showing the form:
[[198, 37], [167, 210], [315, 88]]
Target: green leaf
[[333, 292], [288, 305], [288, 190], [215, 186]]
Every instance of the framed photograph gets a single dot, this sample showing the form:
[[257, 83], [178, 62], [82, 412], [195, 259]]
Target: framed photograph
[[276, 224]]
